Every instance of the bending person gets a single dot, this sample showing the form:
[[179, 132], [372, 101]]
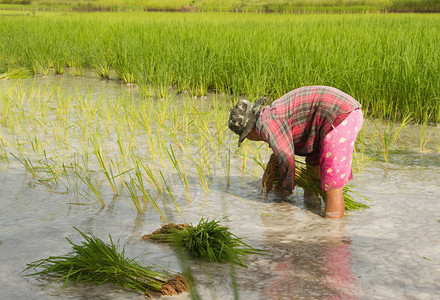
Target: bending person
[[318, 122]]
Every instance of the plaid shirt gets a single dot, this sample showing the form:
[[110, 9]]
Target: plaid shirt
[[296, 123]]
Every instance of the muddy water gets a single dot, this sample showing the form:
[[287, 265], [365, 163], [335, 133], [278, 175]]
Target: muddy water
[[389, 250]]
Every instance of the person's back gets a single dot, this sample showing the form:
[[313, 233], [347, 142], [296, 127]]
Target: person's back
[[308, 113]]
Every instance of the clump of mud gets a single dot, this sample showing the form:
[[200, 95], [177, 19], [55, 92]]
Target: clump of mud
[[164, 230], [176, 285]]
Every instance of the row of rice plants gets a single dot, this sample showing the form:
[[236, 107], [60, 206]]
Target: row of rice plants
[[388, 62]]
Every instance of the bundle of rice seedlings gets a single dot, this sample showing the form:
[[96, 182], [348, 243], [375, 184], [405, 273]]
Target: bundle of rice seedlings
[[208, 240], [97, 262], [306, 179]]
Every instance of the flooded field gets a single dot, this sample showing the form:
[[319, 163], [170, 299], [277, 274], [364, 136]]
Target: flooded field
[[389, 250]]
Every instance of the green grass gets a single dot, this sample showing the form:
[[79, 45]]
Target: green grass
[[388, 62]]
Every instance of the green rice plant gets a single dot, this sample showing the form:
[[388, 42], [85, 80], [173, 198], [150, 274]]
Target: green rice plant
[[16, 73], [107, 170], [6, 110], [4, 154], [134, 196], [26, 162], [151, 177], [148, 198], [385, 138], [256, 155], [201, 175], [93, 186], [77, 70], [42, 68], [178, 167], [146, 91], [49, 166], [423, 138], [402, 125], [227, 166], [98, 61], [243, 152], [28, 165], [73, 182], [58, 68], [170, 192], [96, 262], [207, 240], [203, 128], [164, 90]]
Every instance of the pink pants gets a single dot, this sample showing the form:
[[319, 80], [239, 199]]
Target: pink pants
[[337, 152]]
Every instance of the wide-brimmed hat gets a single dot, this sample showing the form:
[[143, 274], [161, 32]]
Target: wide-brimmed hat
[[243, 117]]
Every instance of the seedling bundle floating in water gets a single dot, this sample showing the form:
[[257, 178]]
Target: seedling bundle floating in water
[[208, 240], [97, 262], [306, 179]]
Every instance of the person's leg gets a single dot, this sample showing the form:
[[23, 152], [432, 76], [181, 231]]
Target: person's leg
[[335, 160], [334, 204], [334, 199]]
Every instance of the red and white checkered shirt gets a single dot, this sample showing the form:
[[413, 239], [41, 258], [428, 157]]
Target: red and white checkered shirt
[[298, 121]]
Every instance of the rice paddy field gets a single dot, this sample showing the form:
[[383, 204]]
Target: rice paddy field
[[116, 123]]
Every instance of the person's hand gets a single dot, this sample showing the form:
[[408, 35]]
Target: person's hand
[[280, 192]]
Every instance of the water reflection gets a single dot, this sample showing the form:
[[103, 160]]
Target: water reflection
[[312, 260]]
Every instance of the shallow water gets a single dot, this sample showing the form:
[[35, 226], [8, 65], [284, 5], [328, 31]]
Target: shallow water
[[390, 250]]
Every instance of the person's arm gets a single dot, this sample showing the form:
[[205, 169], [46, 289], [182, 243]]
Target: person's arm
[[280, 139]]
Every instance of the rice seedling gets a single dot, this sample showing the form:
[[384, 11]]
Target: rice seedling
[[6, 108], [145, 193], [227, 166], [73, 182], [49, 167], [96, 262], [26, 162], [170, 193], [4, 154], [151, 177], [178, 167], [77, 70], [207, 240], [106, 170], [94, 190], [201, 175], [134, 196]]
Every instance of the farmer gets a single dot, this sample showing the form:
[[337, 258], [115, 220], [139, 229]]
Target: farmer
[[318, 122]]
